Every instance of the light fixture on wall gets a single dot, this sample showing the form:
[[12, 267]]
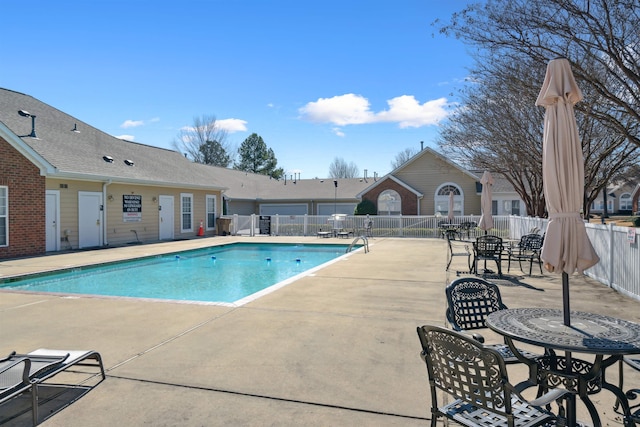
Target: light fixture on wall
[[154, 199], [110, 197]]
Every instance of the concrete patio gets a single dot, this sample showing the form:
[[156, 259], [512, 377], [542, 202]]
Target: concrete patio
[[337, 347]]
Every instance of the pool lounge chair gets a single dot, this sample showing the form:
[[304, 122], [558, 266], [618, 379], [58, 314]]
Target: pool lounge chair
[[21, 373]]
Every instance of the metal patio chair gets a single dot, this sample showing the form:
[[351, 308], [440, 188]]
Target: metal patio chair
[[469, 301], [488, 248], [528, 249], [457, 248], [633, 393], [476, 378]]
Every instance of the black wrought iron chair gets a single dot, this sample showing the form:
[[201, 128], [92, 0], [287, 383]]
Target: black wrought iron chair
[[457, 248], [466, 227], [488, 248], [469, 301], [476, 377], [528, 249], [633, 393]]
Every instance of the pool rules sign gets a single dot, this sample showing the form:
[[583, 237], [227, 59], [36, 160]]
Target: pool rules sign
[[131, 208]]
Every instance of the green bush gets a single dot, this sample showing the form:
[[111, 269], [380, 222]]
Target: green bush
[[366, 206], [636, 221]]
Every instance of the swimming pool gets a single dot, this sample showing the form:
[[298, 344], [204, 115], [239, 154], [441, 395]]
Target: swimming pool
[[227, 274]]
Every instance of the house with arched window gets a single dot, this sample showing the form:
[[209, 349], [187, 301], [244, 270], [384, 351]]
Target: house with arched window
[[620, 199], [421, 186]]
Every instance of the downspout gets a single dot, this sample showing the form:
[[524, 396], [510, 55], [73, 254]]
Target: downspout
[[104, 212], [419, 199]]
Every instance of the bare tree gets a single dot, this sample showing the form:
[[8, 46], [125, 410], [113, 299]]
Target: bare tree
[[205, 142], [402, 157], [515, 40], [599, 37], [499, 128], [339, 168]]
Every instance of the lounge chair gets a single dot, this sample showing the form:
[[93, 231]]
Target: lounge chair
[[21, 373]]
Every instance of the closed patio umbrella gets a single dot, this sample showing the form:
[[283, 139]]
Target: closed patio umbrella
[[486, 220], [567, 248], [450, 215]]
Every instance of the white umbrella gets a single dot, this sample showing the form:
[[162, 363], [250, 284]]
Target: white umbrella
[[567, 248], [486, 220], [450, 215]]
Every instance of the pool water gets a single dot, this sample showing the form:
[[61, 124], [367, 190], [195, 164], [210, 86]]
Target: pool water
[[222, 274]]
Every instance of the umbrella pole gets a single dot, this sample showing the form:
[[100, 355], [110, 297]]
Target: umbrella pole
[[565, 299]]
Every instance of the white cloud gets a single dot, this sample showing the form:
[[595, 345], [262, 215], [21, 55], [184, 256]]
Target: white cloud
[[126, 137], [337, 131], [131, 124], [154, 120], [351, 109], [408, 112], [232, 125]]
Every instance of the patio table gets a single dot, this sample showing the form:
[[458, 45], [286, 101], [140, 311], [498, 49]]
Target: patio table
[[588, 333]]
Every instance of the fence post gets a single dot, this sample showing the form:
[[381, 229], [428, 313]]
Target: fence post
[[611, 255], [252, 225], [305, 223]]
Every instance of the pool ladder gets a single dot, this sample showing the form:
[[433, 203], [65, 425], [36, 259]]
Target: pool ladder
[[365, 241]]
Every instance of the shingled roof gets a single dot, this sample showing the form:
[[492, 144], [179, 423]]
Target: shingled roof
[[74, 149]]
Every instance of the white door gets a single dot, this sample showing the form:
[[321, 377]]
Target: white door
[[52, 220], [165, 205], [89, 219]]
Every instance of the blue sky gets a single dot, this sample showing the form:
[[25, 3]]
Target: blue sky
[[360, 80]]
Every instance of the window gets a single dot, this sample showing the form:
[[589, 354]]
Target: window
[[211, 212], [389, 203], [512, 207], [625, 202], [4, 214], [186, 210], [515, 207], [441, 201], [494, 207]]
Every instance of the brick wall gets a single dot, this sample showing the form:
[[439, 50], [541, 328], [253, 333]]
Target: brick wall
[[26, 204], [409, 199]]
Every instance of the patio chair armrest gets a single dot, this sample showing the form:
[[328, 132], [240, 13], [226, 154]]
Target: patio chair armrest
[[549, 397], [478, 337], [25, 370]]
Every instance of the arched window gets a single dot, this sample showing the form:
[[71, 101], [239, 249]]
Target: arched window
[[626, 202], [441, 199], [389, 203]]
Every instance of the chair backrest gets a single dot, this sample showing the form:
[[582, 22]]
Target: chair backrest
[[465, 369], [469, 301], [488, 246], [531, 242]]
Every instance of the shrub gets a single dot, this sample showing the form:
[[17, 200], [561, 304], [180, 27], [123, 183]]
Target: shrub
[[636, 221], [366, 206]]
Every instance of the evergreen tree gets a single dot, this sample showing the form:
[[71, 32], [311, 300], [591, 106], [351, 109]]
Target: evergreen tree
[[213, 153], [255, 156]]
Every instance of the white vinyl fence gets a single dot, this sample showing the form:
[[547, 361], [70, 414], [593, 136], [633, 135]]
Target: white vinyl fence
[[619, 266]]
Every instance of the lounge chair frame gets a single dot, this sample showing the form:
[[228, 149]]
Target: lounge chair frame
[[21, 373]]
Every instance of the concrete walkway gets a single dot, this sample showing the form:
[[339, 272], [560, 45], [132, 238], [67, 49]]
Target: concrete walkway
[[334, 348]]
